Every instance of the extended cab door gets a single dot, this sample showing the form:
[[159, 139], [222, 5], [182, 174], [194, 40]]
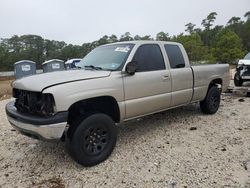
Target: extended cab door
[[149, 89], [181, 74]]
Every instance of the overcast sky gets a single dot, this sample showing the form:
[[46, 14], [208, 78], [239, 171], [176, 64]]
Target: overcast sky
[[79, 21]]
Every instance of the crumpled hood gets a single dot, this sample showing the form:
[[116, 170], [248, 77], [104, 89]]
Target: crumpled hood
[[244, 61], [40, 81]]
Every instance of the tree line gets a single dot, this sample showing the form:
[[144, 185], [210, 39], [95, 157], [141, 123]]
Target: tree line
[[210, 43]]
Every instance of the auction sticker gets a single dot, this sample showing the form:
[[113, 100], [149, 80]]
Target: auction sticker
[[122, 49]]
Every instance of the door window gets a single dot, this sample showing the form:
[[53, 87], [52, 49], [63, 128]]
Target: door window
[[148, 57], [175, 56]]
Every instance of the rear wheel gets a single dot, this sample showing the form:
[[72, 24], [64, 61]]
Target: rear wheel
[[211, 103], [237, 80], [93, 140]]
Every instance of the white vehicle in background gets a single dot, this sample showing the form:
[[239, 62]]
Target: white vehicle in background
[[242, 71], [72, 63]]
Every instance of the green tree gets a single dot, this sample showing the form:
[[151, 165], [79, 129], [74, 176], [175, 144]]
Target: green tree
[[146, 37], [227, 47], [112, 38], [190, 28], [209, 20], [126, 37], [194, 46], [71, 51], [53, 49], [103, 40], [234, 20], [32, 47], [162, 36], [245, 32], [207, 35], [247, 15], [137, 37], [4, 56]]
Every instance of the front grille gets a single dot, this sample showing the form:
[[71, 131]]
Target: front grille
[[246, 71], [35, 103]]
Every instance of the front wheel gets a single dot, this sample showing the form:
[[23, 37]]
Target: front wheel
[[93, 140], [237, 80], [211, 103]]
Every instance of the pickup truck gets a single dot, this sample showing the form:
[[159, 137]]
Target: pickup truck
[[114, 83], [242, 71]]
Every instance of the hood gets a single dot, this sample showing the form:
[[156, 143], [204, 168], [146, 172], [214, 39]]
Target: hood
[[40, 81], [244, 61]]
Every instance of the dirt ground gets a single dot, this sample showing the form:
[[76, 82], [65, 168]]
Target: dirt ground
[[178, 148], [5, 87]]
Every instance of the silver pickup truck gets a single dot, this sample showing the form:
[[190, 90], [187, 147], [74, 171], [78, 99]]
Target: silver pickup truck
[[115, 83]]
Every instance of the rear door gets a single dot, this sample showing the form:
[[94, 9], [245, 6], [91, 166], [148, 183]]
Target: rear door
[[181, 74], [149, 89]]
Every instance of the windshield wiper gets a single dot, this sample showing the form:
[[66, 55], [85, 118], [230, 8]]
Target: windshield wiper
[[93, 67]]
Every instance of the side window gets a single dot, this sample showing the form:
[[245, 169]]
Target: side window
[[175, 56], [149, 58]]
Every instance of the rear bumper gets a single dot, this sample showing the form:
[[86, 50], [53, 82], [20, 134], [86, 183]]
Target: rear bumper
[[46, 128]]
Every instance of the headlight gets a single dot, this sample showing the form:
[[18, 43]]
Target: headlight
[[36, 103]]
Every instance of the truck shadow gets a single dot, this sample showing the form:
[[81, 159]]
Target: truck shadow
[[168, 119]]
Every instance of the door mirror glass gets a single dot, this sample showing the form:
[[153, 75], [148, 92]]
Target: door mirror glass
[[131, 68]]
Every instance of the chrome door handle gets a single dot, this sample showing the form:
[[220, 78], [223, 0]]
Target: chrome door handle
[[166, 77]]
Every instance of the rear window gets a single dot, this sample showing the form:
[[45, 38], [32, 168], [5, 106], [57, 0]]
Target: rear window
[[175, 56]]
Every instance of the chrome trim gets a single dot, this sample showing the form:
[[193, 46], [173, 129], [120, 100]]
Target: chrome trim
[[46, 132]]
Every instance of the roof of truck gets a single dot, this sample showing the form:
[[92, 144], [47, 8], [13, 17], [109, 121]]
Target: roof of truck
[[145, 42]]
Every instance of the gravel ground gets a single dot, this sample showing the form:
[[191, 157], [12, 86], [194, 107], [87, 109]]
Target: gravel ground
[[5, 89], [177, 148]]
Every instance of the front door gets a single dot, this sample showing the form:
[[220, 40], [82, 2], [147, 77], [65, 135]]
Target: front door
[[149, 89]]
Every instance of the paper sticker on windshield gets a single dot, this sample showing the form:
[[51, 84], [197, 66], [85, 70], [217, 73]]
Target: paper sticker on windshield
[[56, 66], [26, 68], [122, 49]]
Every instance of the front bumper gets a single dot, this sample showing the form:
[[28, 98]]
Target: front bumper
[[45, 128], [245, 77]]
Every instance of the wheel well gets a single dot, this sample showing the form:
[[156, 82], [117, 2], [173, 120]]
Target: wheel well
[[105, 104], [216, 82]]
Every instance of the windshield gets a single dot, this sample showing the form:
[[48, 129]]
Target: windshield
[[247, 56], [110, 57]]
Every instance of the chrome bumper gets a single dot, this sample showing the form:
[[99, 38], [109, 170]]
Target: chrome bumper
[[43, 128]]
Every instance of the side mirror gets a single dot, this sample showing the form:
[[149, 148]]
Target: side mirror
[[131, 68]]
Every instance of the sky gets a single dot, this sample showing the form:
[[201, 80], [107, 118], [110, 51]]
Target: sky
[[80, 21]]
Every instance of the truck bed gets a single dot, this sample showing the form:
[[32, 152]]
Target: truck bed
[[204, 74]]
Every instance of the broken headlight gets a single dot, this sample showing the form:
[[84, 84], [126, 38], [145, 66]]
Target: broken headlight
[[35, 103]]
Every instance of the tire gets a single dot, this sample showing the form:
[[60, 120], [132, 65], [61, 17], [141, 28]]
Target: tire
[[93, 140], [237, 80], [211, 103]]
